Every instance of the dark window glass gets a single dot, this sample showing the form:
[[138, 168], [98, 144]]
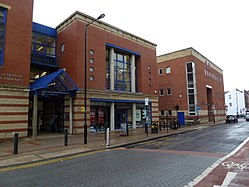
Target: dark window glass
[[43, 49], [190, 77], [161, 92], [3, 13], [160, 71], [191, 91], [170, 112], [191, 99], [189, 67], [107, 70], [169, 91]]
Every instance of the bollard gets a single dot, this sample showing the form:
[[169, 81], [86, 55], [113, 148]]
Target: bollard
[[66, 137], [167, 128], [146, 129], [105, 132], [127, 130], [15, 140], [160, 126], [107, 137]]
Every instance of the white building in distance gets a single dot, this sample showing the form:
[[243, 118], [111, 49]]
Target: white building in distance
[[235, 102]]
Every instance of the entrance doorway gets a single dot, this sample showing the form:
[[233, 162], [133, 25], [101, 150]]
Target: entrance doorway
[[121, 117], [50, 115], [210, 104]]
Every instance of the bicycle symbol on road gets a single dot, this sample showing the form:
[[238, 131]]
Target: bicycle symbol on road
[[240, 166]]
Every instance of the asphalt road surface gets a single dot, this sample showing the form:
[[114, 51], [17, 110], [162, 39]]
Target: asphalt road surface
[[169, 161]]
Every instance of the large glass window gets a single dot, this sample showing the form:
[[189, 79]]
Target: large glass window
[[3, 13], [118, 70], [122, 72], [43, 49]]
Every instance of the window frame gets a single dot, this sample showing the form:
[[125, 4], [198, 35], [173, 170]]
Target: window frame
[[169, 91], [161, 92], [168, 70], [160, 71], [122, 71], [2, 36]]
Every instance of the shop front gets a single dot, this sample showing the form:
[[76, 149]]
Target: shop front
[[115, 115]]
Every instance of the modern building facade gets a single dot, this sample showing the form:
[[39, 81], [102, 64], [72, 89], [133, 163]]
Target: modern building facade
[[120, 69], [235, 102], [190, 85], [43, 74]]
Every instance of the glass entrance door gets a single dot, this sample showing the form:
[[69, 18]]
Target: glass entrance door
[[121, 117]]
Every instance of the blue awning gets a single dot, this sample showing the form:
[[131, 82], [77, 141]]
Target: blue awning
[[57, 83]]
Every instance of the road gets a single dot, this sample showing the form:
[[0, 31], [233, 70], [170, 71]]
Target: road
[[169, 161]]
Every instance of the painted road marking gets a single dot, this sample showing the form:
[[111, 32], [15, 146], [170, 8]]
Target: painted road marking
[[229, 177], [40, 163], [217, 163], [240, 166]]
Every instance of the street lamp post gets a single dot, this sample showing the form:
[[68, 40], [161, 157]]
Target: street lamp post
[[85, 99]]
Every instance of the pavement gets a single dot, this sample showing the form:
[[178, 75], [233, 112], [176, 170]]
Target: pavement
[[47, 146], [232, 169]]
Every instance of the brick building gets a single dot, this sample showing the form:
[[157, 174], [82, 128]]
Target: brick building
[[191, 86], [120, 72], [42, 74], [15, 45]]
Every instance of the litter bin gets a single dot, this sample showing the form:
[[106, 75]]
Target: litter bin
[[154, 128]]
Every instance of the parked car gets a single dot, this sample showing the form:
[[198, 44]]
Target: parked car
[[247, 116], [231, 119]]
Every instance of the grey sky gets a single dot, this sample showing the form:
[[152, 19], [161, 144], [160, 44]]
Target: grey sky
[[218, 29]]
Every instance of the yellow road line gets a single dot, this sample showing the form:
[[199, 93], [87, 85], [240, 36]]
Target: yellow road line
[[40, 163]]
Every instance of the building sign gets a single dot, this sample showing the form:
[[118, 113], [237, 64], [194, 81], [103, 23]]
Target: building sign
[[11, 77]]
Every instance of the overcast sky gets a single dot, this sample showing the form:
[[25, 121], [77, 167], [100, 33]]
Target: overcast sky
[[218, 29]]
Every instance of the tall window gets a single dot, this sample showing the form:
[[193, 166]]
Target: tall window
[[190, 70], [122, 72], [43, 49], [107, 70], [3, 13], [118, 69]]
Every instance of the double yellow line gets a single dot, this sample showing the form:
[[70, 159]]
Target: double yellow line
[[40, 163]]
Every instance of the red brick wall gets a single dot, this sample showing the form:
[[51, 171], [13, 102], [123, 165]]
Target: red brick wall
[[73, 56], [16, 67], [176, 80], [203, 80]]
